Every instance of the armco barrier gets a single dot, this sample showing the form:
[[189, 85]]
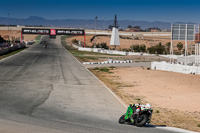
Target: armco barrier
[[3, 51], [164, 66], [13, 48]]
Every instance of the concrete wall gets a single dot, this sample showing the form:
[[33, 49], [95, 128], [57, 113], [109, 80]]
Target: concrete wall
[[164, 66], [99, 50]]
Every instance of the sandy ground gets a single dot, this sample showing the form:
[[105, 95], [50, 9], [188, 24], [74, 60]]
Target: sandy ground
[[174, 96], [163, 89], [16, 34]]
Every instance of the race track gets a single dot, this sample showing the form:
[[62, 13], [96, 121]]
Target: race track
[[47, 90]]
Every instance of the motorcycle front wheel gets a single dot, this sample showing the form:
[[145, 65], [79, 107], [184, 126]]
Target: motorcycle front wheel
[[141, 120], [122, 119]]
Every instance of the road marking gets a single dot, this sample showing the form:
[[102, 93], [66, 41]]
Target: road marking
[[176, 130]]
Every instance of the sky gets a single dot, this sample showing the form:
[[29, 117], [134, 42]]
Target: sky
[[139, 10]]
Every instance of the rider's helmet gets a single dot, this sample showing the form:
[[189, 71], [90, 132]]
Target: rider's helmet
[[132, 105], [148, 106]]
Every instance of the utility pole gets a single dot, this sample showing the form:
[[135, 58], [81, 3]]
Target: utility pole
[[95, 23], [8, 20], [104, 23]]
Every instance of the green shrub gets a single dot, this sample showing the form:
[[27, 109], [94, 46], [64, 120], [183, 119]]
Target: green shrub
[[138, 48], [74, 41], [104, 69], [198, 125], [96, 68], [112, 67], [100, 45], [158, 49], [124, 37], [157, 111], [125, 49], [148, 68]]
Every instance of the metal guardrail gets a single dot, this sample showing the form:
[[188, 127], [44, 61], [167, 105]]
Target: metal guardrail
[[13, 48]]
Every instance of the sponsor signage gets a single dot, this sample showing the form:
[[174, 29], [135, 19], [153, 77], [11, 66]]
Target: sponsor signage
[[196, 29], [197, 34], [183, 32], [53, 31], [69, 32], [35, 31]]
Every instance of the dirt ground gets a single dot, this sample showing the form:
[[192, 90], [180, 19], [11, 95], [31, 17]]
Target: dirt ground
[[174, 96], [17, 34], [126, 43]]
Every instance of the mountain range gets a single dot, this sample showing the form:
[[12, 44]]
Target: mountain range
[[81, 23]]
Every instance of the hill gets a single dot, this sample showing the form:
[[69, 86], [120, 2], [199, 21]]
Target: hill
[[80, 23]]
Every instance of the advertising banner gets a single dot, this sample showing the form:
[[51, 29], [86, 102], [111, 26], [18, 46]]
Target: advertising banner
[[53, 31]]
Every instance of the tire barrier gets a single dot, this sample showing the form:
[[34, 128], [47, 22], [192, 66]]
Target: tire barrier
[[12, 48], [108, 62]]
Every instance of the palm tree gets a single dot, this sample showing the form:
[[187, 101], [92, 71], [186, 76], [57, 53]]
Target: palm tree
[[168, 46], [180, 46]]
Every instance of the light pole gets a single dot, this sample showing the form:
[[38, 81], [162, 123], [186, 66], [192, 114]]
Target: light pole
[[104, 23], [8, 20], [95, 23]]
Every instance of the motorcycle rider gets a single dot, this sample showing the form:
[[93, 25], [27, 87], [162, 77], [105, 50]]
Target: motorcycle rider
[[45, 44], [134, 109]]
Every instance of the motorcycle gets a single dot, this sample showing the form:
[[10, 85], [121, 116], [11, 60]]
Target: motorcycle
[[45, 44], [137, 115]]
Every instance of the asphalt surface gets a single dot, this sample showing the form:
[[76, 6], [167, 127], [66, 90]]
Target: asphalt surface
[[47, 90]]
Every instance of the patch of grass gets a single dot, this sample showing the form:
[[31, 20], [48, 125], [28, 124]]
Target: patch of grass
[[127, 85], [138, 99], [96, 68], [86, 58], [11, 53], [148, 68], [104, 69], [112, 67], [124, 37], [198, 125], [64, 43], [76, 52], [38, 39], [157, 111]]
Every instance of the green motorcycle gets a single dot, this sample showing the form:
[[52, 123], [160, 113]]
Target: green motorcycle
[[137, 115]]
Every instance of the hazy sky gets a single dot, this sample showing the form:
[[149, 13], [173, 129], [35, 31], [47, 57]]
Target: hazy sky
[[149, 10]]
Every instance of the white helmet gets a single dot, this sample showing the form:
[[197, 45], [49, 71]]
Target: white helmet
[[148, 105]]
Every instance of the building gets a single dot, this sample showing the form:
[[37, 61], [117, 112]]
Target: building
[[155, 30], [133, 30]]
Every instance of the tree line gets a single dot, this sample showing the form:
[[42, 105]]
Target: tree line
[[137, 27], [157, 49]]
